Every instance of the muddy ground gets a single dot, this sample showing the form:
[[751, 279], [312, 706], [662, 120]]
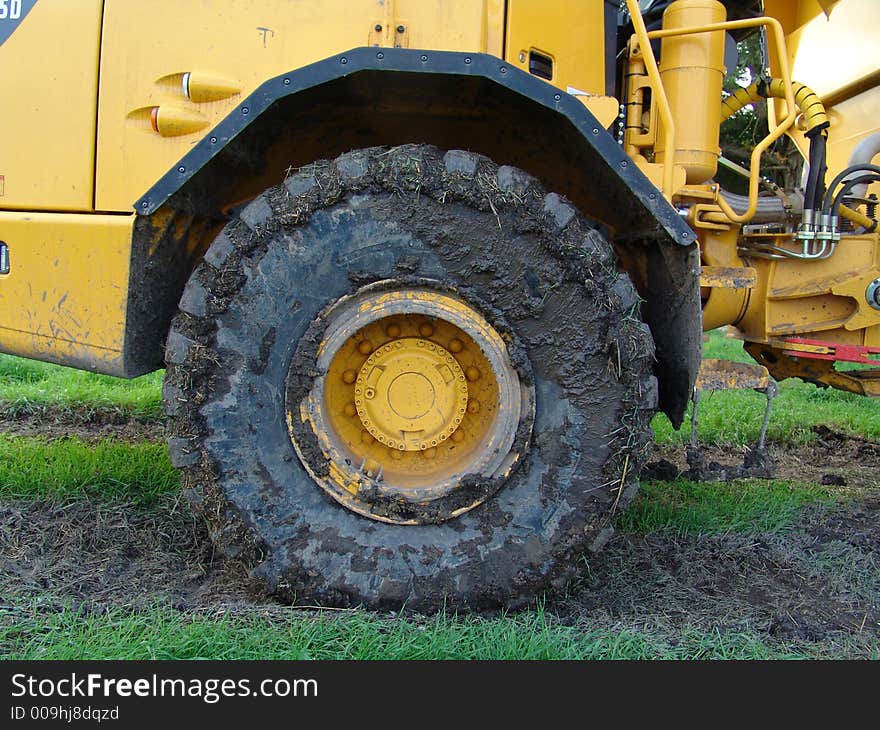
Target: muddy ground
[[818, 581]]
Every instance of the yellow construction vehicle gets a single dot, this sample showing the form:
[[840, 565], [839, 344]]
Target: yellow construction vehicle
[[422, 272]]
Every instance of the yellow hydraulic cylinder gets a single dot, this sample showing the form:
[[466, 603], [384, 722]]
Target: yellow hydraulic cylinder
[[692, 69]]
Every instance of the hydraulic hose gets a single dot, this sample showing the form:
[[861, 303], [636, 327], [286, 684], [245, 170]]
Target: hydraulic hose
[[826, 207], [865, 151], [808, 102], [847, 186]]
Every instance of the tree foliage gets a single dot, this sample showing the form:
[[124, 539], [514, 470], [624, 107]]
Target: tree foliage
[[743, 130]]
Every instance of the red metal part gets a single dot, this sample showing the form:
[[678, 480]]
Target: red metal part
[[835, 351]]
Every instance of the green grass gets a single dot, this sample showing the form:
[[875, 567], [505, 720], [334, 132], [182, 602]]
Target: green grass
[[162, 633], [734, 417], [27, 386], [697, 508], [32, 468], [141, 473]]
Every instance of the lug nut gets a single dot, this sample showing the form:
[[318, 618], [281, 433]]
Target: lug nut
[[455, 345], [426, 329], [349, 376], [473, 406], [393, 330], [472, 374], [365, 347], [350, 409]]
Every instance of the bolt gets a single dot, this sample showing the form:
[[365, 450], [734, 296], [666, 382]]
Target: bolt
[[467, 60], [393, 330], [455, 345], [245, 110], [473, 406], [401, 29], [350, 409], [349, 376], [424, 58], [472, 374], [522, 57], [369, 394], [426, 329], [377, 28], [365, 347], [181, 169]]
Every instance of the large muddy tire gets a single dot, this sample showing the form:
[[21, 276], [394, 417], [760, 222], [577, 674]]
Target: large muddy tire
[[242, 353]]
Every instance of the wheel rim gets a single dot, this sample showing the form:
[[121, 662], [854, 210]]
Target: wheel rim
[[417, 400]]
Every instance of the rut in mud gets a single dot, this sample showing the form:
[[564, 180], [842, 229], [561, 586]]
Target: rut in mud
[[812, 582]]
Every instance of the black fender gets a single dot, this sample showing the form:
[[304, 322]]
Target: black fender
[[389, 96]]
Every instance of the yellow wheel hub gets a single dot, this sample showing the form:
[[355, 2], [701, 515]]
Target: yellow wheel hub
[[411, 394], [417, 393]]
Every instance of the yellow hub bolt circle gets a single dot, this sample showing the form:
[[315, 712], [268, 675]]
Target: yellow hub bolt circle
[[410, 394]]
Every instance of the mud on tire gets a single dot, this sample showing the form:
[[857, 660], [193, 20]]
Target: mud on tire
[[541, 273]]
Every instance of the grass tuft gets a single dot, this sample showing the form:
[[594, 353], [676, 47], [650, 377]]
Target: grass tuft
[[161, 633], [28, 387], [31, 468], [697, 508]]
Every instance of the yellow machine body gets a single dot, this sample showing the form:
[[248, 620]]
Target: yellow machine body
[[108, 96]]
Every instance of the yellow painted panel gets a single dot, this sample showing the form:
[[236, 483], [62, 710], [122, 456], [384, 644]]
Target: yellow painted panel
[[572, 34], [833, 51], [64, 298], [49, 88], [149, 46], [449, 25]]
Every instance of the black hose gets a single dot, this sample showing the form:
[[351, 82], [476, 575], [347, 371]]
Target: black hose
[[810, 198], [826, 207], [820, 140], [847, 186]]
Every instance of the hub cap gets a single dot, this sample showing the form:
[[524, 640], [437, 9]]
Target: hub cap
[[417, 391], [411, 394]]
